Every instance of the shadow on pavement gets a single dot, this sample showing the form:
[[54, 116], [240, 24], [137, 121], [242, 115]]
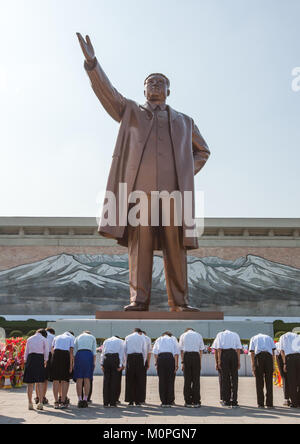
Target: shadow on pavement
[[97, 411], [10, 420]]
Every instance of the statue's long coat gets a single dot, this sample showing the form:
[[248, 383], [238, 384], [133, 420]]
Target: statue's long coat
[[190, 149]]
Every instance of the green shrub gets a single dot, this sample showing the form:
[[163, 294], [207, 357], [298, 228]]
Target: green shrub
[[281, 327], [280, 333], [16, 334], [30, 324], [100, 341]]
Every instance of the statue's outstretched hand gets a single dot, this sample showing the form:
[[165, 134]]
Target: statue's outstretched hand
[[87, 48]]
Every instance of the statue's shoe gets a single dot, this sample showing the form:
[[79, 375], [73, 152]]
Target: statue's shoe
[[184, 308], [135, 306]]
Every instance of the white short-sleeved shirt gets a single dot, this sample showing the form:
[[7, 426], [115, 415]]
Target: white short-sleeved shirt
[[166, 344], [277, 351], [63, 342], [113, 345], [37, 344], [50, 338], [214, 344], [135, 343], [262, 343], [191, 341], [148, 343], [85, 341], [148, 348], [226, 340], [290, 343]]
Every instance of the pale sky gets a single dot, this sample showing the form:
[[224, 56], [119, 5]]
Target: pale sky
[[230, 64]]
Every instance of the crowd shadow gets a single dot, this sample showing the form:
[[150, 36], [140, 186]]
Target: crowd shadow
[[10, 420], [97, 411], [152, 411]]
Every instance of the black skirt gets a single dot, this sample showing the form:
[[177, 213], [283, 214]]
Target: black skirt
[[60, 366], [34, 369], [48, 375]]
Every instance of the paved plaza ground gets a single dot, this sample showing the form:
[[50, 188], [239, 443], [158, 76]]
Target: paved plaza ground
[[13, 407]]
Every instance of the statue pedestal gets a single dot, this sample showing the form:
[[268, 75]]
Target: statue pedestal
[[123, 326], [162, 315]]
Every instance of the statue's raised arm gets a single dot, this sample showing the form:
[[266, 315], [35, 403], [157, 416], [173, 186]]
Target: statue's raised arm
[[113, 102]]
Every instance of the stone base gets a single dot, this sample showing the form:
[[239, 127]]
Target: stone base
[[162, 315], [105, 328]]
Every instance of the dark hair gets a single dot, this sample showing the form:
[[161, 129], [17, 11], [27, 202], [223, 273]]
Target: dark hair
[[42, 332], [71, 333], [144, 332], [188, 329], [87, 332], [137, 330], [158, 74], [168, 333], [50, 330]]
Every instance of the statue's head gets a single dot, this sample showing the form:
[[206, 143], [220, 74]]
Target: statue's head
[[157, 87]]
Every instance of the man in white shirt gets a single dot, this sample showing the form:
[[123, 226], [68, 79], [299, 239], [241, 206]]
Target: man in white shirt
[[112, 364], [166, 355], [289, 345], [218, 370], [135, 350], [228, 346], [285, 385], [262, 348], [191, 346], [147, 360]]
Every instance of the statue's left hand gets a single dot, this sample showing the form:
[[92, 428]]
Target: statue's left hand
[[87, 48]]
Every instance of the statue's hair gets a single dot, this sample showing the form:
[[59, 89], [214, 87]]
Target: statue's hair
[[158, 74]]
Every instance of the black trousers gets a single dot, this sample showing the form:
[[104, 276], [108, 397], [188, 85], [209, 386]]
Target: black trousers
[[166, 379], [230, 376], [111, 380], [145, 383], [293, 377], [263, 363], [285, 384], [119, 385], [135, 378], [220, 384], [192, 369], [174, 379]]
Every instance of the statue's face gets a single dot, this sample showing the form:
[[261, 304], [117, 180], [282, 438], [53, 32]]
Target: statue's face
[[156, 88]]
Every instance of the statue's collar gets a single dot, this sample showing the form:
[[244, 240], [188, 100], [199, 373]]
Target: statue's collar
[[163, 106], [153, 106]]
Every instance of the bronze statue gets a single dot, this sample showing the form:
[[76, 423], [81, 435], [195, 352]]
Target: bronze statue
[[157, 149]]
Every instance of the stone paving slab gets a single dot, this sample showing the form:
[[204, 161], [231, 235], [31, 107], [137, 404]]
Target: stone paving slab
[[13, 407]]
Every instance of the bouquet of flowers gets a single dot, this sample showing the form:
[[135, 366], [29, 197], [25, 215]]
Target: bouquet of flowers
[[7, 362], [12, 361]]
